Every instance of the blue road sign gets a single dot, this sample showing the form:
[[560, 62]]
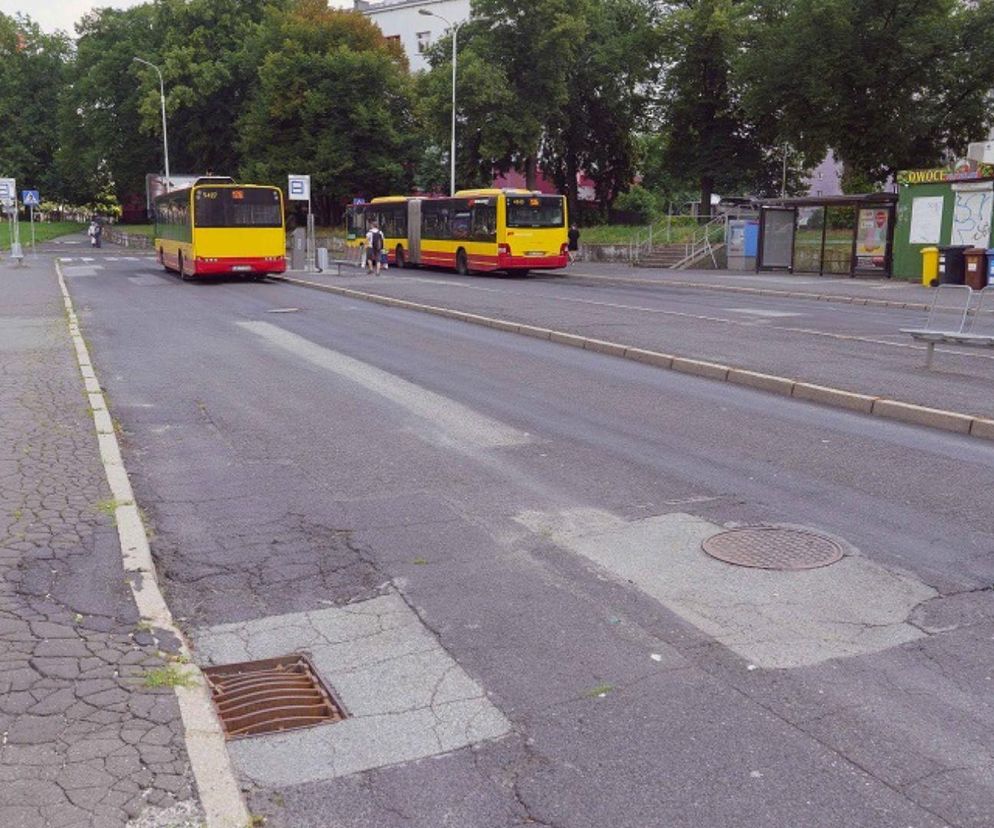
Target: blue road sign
[[30, 198]]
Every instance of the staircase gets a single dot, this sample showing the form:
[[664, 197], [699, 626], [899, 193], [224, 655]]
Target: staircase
[[663, 255]]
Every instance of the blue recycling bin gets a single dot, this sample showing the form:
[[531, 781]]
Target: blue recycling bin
[[990, 266]]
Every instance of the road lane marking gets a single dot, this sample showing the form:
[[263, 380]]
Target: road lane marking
[[218, 788], [772, 314], [439, 416]]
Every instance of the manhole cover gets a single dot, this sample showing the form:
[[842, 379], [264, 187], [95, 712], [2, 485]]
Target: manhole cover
[[270, 696], [771, 547]]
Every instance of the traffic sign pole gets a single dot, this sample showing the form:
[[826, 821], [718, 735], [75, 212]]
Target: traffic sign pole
[[32, 213]]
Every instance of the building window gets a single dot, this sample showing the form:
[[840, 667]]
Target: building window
[[392, 39], [424, 41]]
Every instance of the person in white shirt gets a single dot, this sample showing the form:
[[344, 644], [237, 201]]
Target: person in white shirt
[[374, 248]]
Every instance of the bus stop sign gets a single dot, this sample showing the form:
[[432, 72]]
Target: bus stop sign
[[300, 188]]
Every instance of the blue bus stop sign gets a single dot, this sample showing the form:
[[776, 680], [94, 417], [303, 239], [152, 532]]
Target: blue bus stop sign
[[30, 198]]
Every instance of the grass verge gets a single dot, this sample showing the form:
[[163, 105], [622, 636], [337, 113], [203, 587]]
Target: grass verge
[[44, 231]]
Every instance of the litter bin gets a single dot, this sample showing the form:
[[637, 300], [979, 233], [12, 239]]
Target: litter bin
[[951, 264], [975, 268], [990, 266], [930, 266]]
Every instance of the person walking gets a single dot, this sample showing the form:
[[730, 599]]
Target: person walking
[[95, 232], [574, 242], [374, 247]]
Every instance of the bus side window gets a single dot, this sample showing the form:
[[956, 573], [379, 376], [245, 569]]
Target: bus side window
[[484, 223]]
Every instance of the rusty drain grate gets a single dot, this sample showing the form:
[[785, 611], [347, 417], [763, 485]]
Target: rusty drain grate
[[271, 696], [773, 547]]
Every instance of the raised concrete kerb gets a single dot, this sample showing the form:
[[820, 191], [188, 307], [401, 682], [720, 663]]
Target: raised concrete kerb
[[406, 698], [217, 786], [905, 412]]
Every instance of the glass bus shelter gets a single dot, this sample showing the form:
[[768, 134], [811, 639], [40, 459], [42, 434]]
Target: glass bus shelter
[[843, 235]]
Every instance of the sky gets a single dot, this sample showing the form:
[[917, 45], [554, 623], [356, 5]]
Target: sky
[[62, 14]]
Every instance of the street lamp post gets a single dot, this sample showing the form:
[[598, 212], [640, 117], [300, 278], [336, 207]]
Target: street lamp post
[[455, 35], [162, 100]]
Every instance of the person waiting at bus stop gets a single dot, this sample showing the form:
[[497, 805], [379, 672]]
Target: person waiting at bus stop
[[374, 247]]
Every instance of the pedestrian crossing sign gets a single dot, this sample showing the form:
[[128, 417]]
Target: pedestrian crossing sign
[[30, 198]]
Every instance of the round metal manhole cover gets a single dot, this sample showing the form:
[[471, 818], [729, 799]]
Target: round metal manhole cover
[[772, 547]]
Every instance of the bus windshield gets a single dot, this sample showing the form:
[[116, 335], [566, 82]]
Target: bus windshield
[[234, 207], [535, 211]]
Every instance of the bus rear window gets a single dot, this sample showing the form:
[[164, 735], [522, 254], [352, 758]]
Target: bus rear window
[[535, 211], [237, 207]]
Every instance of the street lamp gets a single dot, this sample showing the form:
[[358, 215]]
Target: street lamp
[[162, 99], [455, 35]]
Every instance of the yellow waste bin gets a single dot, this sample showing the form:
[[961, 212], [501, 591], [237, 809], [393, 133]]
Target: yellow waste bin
[[930, 266]]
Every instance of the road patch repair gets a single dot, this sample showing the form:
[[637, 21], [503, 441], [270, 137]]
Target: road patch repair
[[841, 605], [911, 413], [402, 695]]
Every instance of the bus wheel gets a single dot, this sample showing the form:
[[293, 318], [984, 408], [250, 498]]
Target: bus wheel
[[462, 265], [399, 258], [162, 259], [182, 270]]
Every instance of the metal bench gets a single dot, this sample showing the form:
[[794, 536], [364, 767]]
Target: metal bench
[[950, 320]]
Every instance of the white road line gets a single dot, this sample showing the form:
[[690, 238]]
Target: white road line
[[217, 785], [440, 419]]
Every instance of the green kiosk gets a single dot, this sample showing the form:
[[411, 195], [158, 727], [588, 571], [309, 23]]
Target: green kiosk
[[943, 228]]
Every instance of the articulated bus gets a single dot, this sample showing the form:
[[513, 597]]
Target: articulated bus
[[218, 227], [476, 231]]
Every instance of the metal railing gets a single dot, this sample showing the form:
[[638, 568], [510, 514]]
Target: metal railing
[[702, 242]]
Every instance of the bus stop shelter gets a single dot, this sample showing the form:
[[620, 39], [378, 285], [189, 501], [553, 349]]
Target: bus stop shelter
[[844, 235]]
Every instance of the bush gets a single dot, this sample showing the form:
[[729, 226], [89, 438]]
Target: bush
[[640, 202]]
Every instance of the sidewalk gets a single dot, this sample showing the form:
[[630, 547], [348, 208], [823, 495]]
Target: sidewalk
[[90, 739], [882, 364]]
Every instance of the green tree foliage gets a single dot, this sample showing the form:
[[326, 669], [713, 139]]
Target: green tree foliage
[[332, 99], [709, 138], [607, 102], [887, 84], [33, 68]]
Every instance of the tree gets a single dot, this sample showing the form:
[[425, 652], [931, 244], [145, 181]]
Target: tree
[[886, 84], [709, 138], [607, 104], [33, 68], [333, 98]]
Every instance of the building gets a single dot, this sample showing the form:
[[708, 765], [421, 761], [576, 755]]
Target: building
[[403, 21]]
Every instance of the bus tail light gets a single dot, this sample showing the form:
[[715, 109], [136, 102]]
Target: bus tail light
[[564, 249], [503, 250]]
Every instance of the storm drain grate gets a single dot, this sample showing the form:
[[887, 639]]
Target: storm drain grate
[[270, 696], [773, 547]]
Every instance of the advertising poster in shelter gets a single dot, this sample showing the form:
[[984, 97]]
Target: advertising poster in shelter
[[871, 239]]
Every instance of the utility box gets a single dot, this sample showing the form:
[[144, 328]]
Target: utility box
[[322, 258], [742, 244], [298, 252]]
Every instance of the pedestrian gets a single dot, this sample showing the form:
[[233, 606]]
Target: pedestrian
[[574, 242], [95, 232], [374, 247]]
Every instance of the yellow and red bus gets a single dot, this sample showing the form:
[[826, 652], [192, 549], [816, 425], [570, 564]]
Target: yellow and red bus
[[475, 231], [218, 227]]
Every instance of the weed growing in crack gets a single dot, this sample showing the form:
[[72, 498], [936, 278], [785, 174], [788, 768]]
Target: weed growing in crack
[[599, 692], [168, 676]]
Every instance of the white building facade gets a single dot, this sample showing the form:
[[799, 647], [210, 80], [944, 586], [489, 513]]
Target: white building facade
[[403, 21]]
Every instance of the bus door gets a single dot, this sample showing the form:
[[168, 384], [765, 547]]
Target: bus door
[[414, 230]]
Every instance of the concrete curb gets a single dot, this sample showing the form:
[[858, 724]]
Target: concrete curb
[[218, 788], [785, 294], [904, 412]]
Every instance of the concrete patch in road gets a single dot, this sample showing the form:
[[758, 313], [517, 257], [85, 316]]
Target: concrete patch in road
[[407, 699], [150, 280], [81, 270], [774, 619], [439, 416]]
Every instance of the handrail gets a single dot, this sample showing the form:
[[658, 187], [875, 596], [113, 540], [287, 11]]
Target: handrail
[[700, 242]]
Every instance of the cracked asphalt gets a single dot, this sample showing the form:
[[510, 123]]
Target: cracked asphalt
[[84, 741], [310, 461]]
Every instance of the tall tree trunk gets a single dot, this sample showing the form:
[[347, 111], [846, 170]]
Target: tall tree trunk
[[572, 188], [707, 187], [531, 172]]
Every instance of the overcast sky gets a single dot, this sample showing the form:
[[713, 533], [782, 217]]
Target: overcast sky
[[62, 14]]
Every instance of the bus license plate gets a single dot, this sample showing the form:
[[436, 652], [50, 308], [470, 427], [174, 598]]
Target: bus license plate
[[241, 267], [535, 253]]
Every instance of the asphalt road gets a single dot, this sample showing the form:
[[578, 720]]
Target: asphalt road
[[539, 508], [853, 347]]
